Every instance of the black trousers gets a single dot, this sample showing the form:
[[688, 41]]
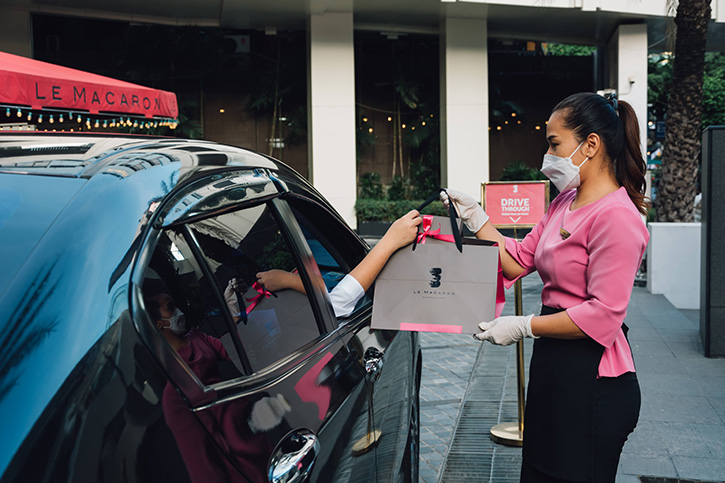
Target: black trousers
[[575, 424]]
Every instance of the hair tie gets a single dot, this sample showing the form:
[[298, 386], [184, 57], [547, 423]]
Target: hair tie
[[612, 100]]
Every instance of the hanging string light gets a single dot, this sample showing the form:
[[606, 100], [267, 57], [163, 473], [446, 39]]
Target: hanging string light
[[40, 118], [105, 123], [60, 118], [7, 112], [20, 113]]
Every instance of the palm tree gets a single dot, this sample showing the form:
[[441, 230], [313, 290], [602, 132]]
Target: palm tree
[[676, 190]]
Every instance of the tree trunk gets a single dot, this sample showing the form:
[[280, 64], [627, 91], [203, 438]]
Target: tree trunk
[[680, 159]]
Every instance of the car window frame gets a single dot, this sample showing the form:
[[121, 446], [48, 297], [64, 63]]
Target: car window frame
[[335, 253], [180, 373]]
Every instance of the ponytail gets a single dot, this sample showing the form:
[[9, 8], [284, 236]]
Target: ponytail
[[617, 126], [630, 167]]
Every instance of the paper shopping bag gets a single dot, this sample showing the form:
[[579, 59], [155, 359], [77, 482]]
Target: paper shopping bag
[[436, 288]]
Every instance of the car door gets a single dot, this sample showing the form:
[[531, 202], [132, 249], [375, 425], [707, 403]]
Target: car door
[[277, 377], [388, 361]]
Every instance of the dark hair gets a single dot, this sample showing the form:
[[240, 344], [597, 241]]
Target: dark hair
[[153, 307], [617, 126]]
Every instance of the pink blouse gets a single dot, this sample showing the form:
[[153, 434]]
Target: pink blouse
[[591, 273]]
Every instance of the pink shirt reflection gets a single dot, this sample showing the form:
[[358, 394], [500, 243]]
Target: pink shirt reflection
[[590, 273], [226, 423]]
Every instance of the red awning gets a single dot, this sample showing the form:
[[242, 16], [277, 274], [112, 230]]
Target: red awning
[[31, 83]]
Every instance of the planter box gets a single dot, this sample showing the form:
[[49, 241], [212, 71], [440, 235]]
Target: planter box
[[673, 263], [373, 228]]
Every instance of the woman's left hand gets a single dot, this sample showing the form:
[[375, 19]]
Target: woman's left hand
[[506, 330], [403, 231]]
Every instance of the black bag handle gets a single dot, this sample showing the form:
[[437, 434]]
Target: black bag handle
[[452, 214]]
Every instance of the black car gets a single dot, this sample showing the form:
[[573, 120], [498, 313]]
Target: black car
[[94, 227]]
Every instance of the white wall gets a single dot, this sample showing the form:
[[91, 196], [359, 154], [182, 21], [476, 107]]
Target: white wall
[[331, 127], [464, 105], [673, 263], [631, 45]]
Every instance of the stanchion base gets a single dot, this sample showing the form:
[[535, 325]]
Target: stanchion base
[[508, 434], [366, 443]]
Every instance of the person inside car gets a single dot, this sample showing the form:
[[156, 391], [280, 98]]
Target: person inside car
[[348, 292]]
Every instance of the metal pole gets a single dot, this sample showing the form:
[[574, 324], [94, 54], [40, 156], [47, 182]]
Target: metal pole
[[520, 357], [512, 433]]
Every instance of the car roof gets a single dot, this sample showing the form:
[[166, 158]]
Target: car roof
[[84, 155]]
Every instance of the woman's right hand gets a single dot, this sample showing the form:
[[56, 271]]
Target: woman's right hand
[[468, 209]]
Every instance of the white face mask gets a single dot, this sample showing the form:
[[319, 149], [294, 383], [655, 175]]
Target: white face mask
[[562, 171], [177, 322]]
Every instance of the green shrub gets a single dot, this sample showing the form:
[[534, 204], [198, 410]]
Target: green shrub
[[370, 186], [520, 171], [399, 188], [387, 210]]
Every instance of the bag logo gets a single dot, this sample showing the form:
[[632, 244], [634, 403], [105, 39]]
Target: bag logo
[[435, 280]]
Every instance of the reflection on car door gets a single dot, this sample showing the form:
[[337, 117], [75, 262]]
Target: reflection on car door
[[286, 379], [384, 358]]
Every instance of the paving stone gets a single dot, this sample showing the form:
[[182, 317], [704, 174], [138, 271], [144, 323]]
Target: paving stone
[[645, 440], [701, 367], [681, 409], [658, 364], [636, 464], [718, 405], [653, 384], [708, 469], [694, 440]]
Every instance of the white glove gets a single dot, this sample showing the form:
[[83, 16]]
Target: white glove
[[506, 330], [267, 413], [468, 209], [230, 295]]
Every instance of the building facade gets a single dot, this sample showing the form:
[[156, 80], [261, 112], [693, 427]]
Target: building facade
[[624, 32]]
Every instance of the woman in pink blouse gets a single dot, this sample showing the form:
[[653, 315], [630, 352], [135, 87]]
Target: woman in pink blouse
[[583, 398]]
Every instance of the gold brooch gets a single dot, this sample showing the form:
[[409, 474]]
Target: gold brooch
[[564, 234]]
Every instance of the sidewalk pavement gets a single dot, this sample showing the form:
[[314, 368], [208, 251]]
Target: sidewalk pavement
[[468, 387]]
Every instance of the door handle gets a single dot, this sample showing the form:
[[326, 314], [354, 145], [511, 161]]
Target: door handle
[[373, 361], [293, 457]]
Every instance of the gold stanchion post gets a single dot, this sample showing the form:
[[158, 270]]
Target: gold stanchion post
[[512, 433]]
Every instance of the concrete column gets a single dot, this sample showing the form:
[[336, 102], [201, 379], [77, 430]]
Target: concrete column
[[464, 105], [629, 75], [15, 31], [331, 111]]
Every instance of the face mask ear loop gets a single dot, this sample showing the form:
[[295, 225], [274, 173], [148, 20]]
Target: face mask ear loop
[[577, 149]]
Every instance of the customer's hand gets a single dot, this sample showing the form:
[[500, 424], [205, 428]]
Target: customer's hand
[[403, 231], [276, 280], [468, 209], [506, 330], [230, 296]]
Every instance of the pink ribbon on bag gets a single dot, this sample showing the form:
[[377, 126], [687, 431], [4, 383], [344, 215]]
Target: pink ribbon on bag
[[263, 292], [500, 292], [427, 222]]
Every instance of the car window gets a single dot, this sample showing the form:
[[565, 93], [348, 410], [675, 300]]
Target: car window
[[335, 249], [239, 246], [175, 279]]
